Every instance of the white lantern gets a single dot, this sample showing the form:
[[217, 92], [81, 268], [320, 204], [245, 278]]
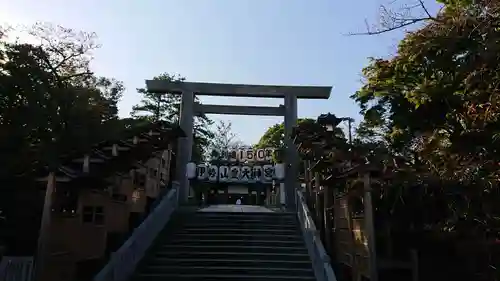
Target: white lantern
[[201, 171], [268, 173], [279, 171], [233, 156], [241, 155], [224, 155], [269, 153], [213, 173], [257, 173], [249, 154], [234, 174], [223, 173], [191, 170], [260, 155], [246, 174]]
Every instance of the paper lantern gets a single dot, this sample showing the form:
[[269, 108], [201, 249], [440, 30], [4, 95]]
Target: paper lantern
[[268, 173], [233, 156], [213, 173], [234, 174], [246, 174], [201, 171], [257, 173], [224, 155], [249, 155], [260, 155], [279, 171], [241, 155], [191, 170], [223, 174], [269, 153]]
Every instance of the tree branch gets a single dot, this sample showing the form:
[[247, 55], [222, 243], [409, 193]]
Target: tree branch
[[391, 20]]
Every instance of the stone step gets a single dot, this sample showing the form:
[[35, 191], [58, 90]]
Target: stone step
[[233, 255], [239, 224], [240, 262], [235, 241], [246, 216], [227, 270], [238, 231], [218, 277], [242, 236], [249, 214], [231, 248]]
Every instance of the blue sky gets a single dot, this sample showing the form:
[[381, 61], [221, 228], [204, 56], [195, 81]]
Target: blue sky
[[287, 42]]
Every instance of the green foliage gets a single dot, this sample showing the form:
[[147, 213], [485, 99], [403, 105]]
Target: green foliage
[[438, 96], [51, 102], [275, 135], [436, 106], [166, 107]]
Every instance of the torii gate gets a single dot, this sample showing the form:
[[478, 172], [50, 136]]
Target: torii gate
[[189, 109]]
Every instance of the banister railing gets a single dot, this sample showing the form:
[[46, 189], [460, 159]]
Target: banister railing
[[123, 262], [16, 269], [320, 259]]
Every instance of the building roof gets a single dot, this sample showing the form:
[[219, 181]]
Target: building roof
[[239, 90], [152, 138]]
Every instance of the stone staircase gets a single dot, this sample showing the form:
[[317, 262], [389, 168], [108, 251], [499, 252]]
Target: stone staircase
[[228, 246]]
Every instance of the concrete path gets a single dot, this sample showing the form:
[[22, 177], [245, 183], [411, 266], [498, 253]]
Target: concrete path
[[236, 209]]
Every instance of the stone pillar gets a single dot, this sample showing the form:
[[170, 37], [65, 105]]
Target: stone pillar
[[291, 155], [185, 145]]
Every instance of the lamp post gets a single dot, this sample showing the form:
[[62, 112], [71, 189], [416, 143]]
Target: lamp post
[[330, 122]]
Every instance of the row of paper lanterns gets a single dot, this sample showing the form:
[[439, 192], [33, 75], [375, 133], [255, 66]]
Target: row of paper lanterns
[[250, 155], [256, 173]]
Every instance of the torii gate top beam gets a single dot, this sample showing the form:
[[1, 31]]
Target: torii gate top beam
[[239, 90]]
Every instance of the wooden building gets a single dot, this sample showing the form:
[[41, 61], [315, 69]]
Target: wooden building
[[101, 195]]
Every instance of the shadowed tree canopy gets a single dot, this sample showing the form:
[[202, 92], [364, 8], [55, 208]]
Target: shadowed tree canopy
[[438, 97], [275, 135], [166, 107], [50, 101]]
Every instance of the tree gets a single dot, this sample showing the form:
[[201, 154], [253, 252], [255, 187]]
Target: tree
[[437, 104], [437, 96], [166, 107], [51, 102], [224, 139]]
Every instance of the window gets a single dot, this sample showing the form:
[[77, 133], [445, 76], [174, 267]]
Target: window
[[88, 214], [93, 214], [139, 179], [99, 215]]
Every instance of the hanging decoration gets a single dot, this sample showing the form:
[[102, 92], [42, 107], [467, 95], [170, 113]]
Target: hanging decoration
[[201, 172], [255, 167], [223, 174], [279, 171], [234, 174], [213, 172], [191, 170]]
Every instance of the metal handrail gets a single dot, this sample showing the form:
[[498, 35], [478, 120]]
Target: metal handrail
[[320, 259], [124, 261], [16, 268]]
